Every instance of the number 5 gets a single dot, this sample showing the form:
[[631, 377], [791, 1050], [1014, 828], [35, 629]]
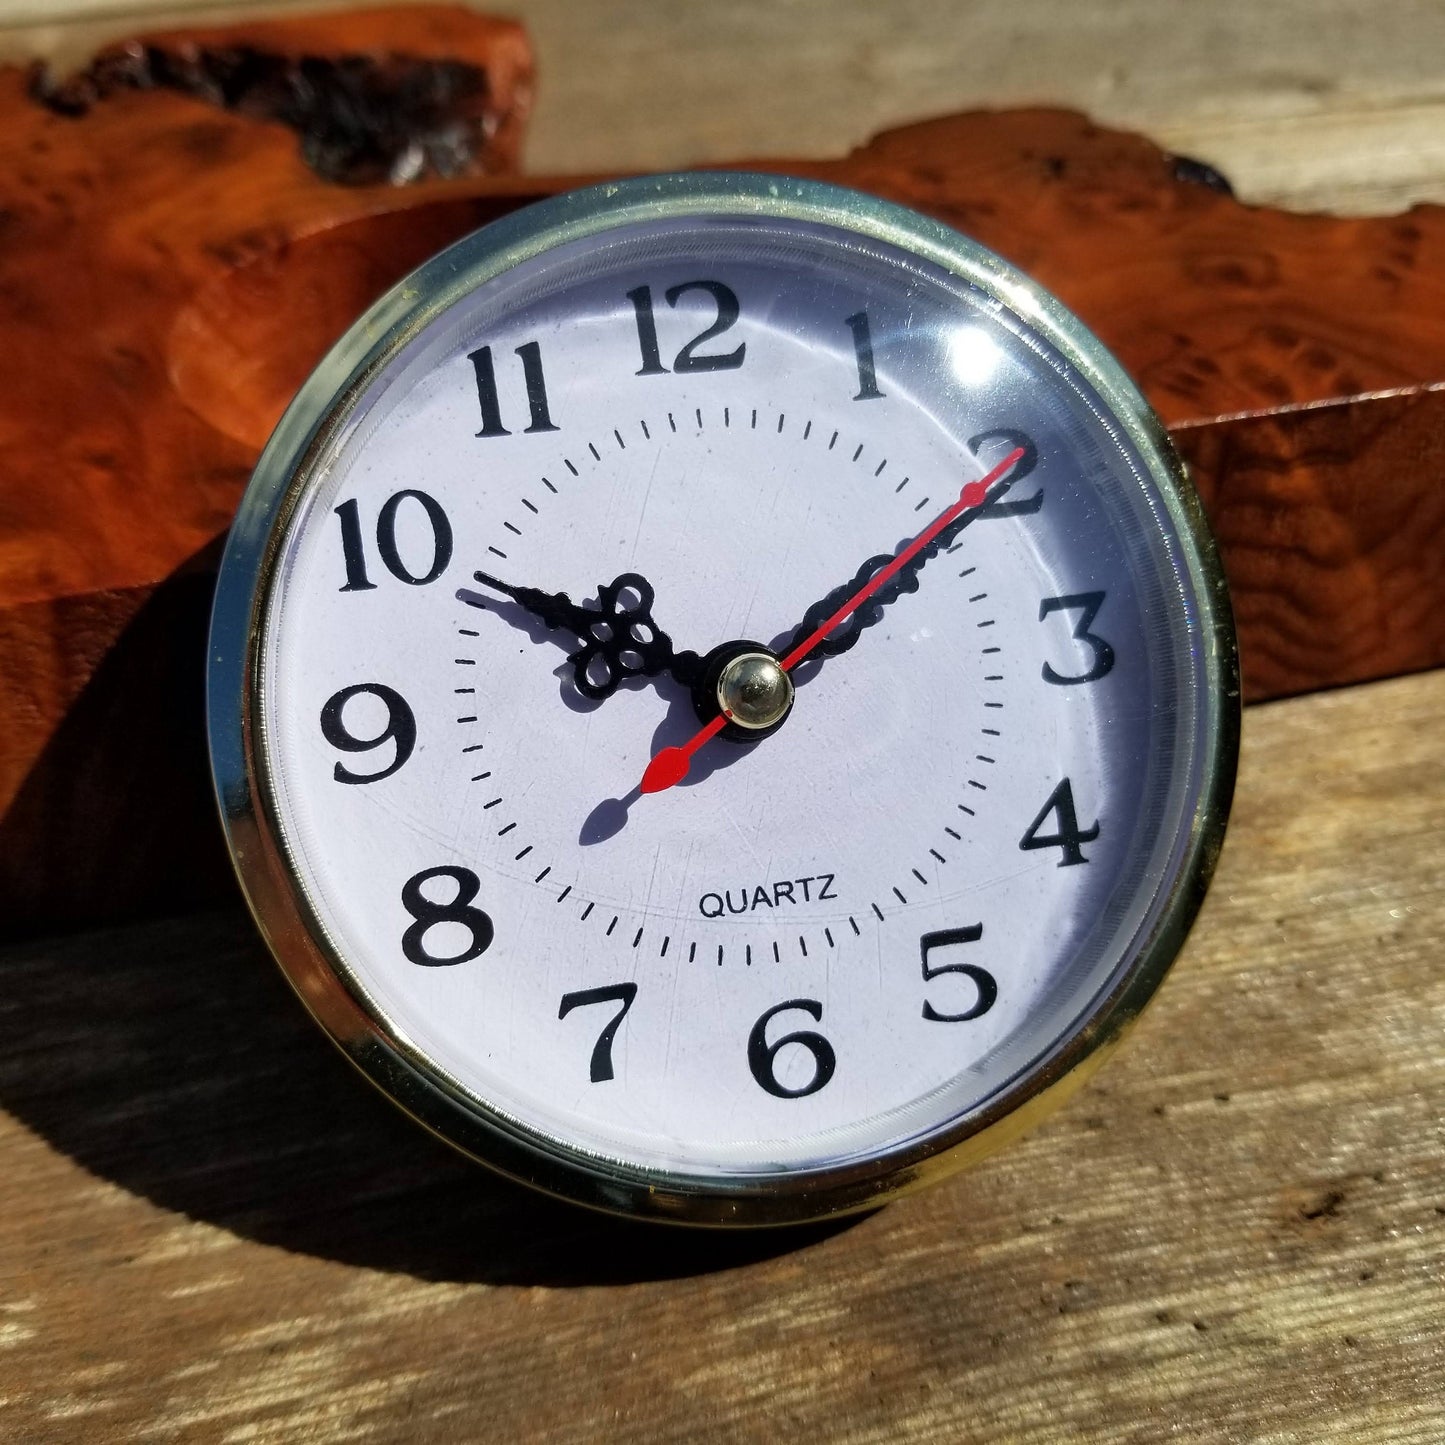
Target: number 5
[[982, 979]]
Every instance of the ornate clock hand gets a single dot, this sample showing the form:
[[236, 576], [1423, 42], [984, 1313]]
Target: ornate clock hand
[[974, 495], [619, 639], [841, 638], [670, 765]]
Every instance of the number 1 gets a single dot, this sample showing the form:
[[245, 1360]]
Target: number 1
[[863, 355]]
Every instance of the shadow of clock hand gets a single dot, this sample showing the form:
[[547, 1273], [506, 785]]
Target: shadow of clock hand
[[610, 816], [621, 642]]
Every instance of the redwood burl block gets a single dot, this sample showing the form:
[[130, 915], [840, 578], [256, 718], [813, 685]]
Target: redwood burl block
[[188, 223]]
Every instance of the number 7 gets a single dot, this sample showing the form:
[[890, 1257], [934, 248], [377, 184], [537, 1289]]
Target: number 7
[[622, 993]]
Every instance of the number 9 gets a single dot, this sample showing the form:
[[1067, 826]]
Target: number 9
[[400, 727]]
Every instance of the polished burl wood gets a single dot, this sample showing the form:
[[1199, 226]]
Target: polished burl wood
[[122, 210], [214, 1230], [171, 268]]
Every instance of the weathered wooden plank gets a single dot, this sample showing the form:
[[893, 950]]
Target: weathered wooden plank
[[1310, 104], [215, 1231]]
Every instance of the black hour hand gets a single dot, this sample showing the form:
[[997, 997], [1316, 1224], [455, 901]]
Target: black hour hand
[[619, 637]]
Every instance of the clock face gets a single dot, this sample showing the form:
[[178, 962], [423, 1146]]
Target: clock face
[[736, 701]]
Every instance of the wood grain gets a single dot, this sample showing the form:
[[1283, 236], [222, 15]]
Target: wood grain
[[172, 271], [1331, 521], [114, 222], [1308, 104], [214, 1230]]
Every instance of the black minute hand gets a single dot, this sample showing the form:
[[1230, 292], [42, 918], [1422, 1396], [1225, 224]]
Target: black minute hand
[[905, 579], [619, 638]]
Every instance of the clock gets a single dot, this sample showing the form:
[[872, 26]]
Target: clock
[[722, 698]]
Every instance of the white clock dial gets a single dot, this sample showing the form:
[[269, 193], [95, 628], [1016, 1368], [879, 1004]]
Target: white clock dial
[[508, 572]]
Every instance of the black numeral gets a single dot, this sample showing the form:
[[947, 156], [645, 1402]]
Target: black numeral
[[863, 354], [687, 359], [622, 993], [997, 444], [353, 552], [400, 728], [429, 915], [490, 403], [1087, 604], [981, 978], [1070, 837], [761, 1053], [641, 299], [354, 555]]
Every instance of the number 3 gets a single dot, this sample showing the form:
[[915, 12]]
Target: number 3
[[1087, 604]]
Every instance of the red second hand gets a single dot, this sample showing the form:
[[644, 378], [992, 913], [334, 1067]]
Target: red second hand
[[671, 764]]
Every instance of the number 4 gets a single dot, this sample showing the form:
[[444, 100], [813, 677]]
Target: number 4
[[622, 993], [1070, 836]]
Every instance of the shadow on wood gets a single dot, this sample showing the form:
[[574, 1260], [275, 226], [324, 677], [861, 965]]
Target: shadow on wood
[[115, 817], [173, 1060]]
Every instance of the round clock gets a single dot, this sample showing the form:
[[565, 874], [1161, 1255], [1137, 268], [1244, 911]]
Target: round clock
[[722, 698]]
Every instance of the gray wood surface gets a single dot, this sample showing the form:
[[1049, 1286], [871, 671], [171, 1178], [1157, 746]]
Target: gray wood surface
[[214, 1231], [1317, 104]]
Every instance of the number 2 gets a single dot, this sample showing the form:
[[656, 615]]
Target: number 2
[[1004, 440]]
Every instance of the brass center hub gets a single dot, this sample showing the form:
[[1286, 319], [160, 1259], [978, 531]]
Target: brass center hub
[[753, 691]]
